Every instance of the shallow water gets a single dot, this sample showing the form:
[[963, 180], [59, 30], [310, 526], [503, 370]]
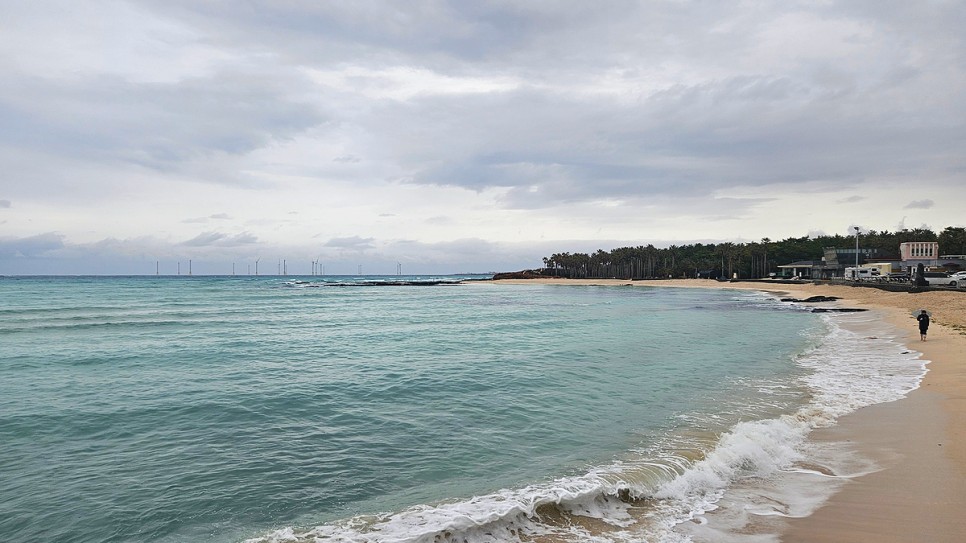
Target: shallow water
[[222, 409]]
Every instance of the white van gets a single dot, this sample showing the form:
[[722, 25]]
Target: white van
[[939, 279]]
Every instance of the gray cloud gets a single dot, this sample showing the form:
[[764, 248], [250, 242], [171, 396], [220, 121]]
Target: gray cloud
[[203, 220], [220, 239], [686, 140], [920, 204], [161, 126], [5, 203], [347, 159], [31, 246], [313, 32], [719, 122], [355, 243]]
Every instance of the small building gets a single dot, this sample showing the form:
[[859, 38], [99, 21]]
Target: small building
[[805, 269], [836, 259], [839, 258]]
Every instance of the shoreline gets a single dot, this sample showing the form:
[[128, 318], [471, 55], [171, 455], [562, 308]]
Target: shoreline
[[918, 441]]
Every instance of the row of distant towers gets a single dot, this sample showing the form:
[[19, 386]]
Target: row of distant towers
[[318, 268]]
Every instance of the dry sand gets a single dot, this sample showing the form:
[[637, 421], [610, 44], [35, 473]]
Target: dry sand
[[919, 441]]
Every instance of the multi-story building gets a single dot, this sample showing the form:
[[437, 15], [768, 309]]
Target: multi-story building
[[919, 251], [927, 253]]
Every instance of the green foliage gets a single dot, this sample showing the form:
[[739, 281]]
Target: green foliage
[[952, 241], [748, 260]]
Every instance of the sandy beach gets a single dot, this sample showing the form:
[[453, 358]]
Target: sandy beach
[[919, 442]]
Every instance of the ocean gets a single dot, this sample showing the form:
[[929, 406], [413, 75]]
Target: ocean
[[270, 409]]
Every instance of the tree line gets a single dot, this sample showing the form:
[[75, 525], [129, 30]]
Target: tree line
[[748, 260]]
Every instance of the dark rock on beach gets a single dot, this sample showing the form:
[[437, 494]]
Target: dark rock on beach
[[819, 299], [812, 299]]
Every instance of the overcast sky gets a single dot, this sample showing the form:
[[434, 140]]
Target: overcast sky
[[465, 136]]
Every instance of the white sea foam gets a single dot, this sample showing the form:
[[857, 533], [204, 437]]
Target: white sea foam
[[859, 363]]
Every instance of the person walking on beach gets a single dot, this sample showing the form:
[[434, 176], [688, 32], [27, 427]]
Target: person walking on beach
[[923, 319]]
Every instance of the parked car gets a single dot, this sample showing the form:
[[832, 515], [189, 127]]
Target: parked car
[[939, 279]]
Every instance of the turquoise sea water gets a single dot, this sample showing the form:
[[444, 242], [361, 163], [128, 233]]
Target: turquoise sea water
[[227, 409]]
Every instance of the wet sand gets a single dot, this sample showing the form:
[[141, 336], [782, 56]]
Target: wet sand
[[919, 441]]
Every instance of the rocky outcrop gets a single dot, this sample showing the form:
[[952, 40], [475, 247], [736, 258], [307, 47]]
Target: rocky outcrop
[[819, 299], [524, 274], [811, 300]]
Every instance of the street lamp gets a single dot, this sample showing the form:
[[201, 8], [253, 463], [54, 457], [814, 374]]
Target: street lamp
[[856, 246]]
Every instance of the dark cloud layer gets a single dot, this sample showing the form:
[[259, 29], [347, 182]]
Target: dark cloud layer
[[722, 121], [32, 246], [155, 125]]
